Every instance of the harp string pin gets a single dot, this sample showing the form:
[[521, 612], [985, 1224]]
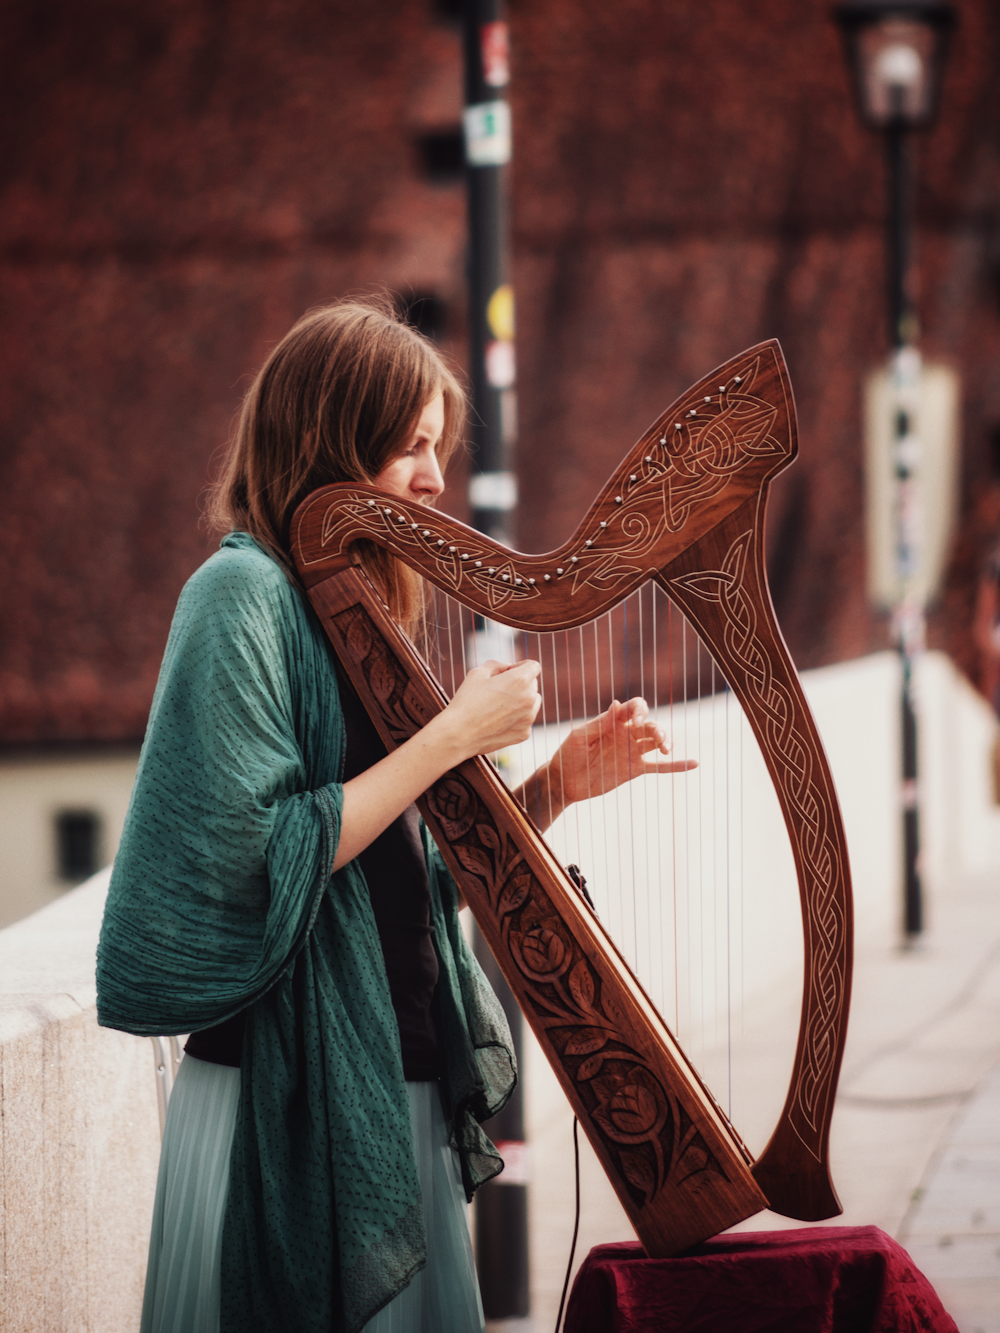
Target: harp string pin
[[692, 413], [573, 559], [678, 426], [722, 388], [491, 569], [505, 577], [530, 581], [604, 522], [737, 379], [631, 477], [388, 510], [427, 532], [371, 504], [589, 541], [548, 577], [440, 541], [558, 571], [414, 526], [618, 498], [452, 548], [400, 518], [663, 439], [706, 400], [518, 581], [464, 556], [649, 458], [479, 564]]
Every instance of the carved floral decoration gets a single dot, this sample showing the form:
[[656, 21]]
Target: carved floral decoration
[[642, 1124]]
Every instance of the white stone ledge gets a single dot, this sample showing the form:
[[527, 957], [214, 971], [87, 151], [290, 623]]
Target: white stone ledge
[[79, 1132]]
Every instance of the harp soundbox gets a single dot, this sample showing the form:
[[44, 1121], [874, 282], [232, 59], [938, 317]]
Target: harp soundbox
[[686, 510]]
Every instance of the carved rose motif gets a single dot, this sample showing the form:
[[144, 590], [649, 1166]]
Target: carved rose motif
[[629, 1112], [543, 951], [633, 1109], [455, 806]]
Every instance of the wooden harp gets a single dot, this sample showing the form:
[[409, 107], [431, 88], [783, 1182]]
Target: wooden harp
[[685, 509]]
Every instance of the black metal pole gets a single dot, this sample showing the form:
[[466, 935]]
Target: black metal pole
[[491, 309], [502, 1204], [899, 224], [902, 334]]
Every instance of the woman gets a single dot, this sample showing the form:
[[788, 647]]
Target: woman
[[275, 896]]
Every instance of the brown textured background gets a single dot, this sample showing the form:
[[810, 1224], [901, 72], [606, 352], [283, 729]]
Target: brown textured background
[[181, 179]]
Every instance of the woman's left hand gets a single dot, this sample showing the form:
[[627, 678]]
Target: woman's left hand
[[622, 744]]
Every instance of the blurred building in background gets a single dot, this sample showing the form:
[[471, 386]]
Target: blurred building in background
[[182, 179]]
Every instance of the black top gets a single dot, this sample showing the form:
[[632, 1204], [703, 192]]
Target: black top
[[396, 872]]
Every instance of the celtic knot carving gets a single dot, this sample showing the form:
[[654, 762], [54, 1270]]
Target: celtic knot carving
[[784, 743], [686, 460]]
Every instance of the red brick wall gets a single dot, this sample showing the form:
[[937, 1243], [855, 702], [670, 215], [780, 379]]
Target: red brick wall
[[183, 177]]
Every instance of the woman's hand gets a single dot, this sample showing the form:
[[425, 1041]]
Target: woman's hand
[[622, 744], [494, 707]]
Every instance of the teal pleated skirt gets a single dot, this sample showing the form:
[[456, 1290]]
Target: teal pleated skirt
[[185, 1250]]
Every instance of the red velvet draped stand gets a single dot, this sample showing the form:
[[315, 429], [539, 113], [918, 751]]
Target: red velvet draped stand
[[809, 1280]]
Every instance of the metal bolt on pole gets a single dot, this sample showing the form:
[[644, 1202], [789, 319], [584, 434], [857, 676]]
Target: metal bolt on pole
[[501, 1204]]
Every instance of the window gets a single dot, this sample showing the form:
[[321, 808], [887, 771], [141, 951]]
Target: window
[[78, 837], [426, 312], [442, 156]]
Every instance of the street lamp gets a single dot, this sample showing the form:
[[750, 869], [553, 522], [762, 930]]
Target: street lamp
[[896, 50]]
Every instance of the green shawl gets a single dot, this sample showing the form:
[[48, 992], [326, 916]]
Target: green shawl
[[222, 900]]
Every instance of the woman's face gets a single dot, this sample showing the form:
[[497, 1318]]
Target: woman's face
[[414, 474]]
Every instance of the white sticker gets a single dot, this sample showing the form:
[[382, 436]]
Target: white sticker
[[487, 134], [500, 367], [493, 490], [515, 1162]]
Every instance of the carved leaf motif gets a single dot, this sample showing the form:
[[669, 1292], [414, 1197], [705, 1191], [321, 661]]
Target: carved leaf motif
[[488, 837], [614, 1011], [359, 639], [382, 678], [514, 894], [695, 1159], [588, 1068], [476, 861], [414, 704], [638, 1172], [581, 986], [586, 1041]]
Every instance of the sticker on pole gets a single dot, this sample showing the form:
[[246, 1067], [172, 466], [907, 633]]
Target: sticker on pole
[[495, 47], [487, 134], [493, 490], [501, 370]]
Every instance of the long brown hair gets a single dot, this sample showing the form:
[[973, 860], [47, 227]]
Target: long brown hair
[[337, 399]]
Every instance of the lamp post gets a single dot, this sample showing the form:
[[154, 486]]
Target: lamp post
[[501, 1204], [896, 50]]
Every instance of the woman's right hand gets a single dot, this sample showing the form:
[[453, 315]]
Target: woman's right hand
[[493, 707]]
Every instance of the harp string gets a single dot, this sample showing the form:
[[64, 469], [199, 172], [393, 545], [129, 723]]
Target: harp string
[[669, 894]]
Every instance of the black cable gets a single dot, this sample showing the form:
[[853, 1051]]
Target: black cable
[[576, 1222]]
